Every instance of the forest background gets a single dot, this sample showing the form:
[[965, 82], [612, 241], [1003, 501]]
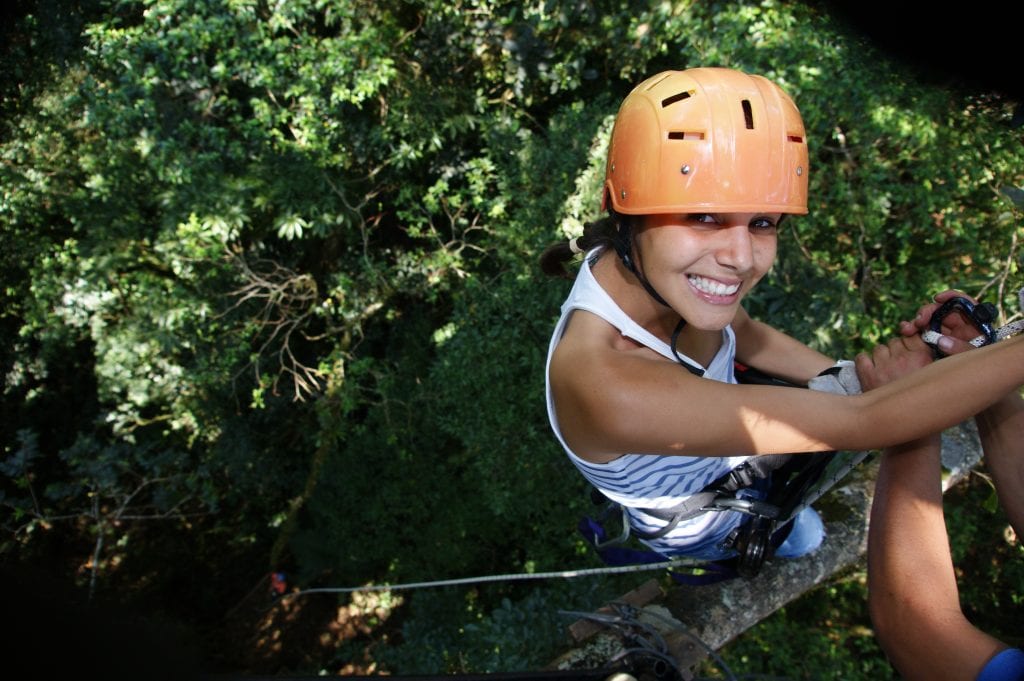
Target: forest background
[[271, 304]]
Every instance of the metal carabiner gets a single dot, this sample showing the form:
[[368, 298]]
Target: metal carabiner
[[615, 541], [752, 507], [981, 315]]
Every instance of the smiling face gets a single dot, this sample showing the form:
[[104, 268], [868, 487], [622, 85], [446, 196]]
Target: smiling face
[[704, 264]]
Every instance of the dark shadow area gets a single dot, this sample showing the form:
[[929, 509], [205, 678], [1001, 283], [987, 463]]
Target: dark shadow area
[[57, 634], [975, 47]]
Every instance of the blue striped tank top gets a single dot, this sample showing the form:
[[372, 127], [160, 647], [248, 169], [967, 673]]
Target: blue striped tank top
[[645, 480]]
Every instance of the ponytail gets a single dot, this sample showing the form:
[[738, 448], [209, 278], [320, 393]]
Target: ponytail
[[608, 232]]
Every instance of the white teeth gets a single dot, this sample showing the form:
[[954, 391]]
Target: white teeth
[[715, 288]]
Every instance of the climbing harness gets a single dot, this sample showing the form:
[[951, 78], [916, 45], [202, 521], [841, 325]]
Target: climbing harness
[[796, 482], [796, 485], [790, 483]]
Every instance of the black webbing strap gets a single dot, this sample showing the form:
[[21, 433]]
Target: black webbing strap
[[693, 506]]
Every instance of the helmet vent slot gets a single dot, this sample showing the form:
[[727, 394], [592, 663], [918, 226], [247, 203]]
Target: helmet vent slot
[[683, 135], [748, 114], [669, 101], [795, 138]]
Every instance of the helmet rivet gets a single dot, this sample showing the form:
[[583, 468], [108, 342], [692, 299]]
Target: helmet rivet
[[613, 167], [685, 170], [623, 194], [799, 170]]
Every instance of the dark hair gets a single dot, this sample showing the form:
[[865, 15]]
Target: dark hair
[[613, 231]]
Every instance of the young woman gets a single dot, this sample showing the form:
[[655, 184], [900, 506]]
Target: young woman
[[703, 165]]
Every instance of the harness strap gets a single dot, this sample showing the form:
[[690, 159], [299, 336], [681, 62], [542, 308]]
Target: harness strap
[[710, 571], [692, 506], [770, 520], [754, 468], [743, 476]]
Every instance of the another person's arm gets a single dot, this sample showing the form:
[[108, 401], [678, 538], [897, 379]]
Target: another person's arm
[[1001, 426], [1002, 437], [913, 597]]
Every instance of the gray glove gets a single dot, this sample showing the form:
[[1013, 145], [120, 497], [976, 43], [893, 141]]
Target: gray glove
[[840, 379]]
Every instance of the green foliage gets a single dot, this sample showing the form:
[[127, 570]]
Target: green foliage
[[270, 274], [824, 634], [987, 555], [459, 632], [903, 202]]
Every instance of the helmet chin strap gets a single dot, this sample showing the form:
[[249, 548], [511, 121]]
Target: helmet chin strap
[[695, 370], [624, 251], [624, 248]]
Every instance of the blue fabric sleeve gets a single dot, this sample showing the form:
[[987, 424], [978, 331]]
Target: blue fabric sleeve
[[1006, 666]]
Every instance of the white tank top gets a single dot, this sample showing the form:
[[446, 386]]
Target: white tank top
[[645, 480]]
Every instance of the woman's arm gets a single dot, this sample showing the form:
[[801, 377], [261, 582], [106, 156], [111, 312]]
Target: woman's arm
[[766, 348], [611, 401]]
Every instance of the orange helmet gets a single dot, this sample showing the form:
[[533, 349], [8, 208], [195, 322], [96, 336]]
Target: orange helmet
[[707, 140]]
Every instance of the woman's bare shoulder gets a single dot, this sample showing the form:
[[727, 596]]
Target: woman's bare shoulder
[[598, 378]]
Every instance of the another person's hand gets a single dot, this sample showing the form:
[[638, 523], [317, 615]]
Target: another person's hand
[[956, 329], [886, 363]]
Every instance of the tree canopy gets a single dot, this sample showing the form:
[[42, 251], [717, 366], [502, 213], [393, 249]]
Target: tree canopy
[[271, 299]]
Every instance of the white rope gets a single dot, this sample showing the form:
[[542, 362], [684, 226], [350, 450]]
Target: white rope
[[564, 574], [1012, 329]]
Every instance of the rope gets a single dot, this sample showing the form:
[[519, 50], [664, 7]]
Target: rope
[[563, 574], [1002, 333]]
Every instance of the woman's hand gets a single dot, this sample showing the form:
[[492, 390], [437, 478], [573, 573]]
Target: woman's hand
[[886, 363]]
